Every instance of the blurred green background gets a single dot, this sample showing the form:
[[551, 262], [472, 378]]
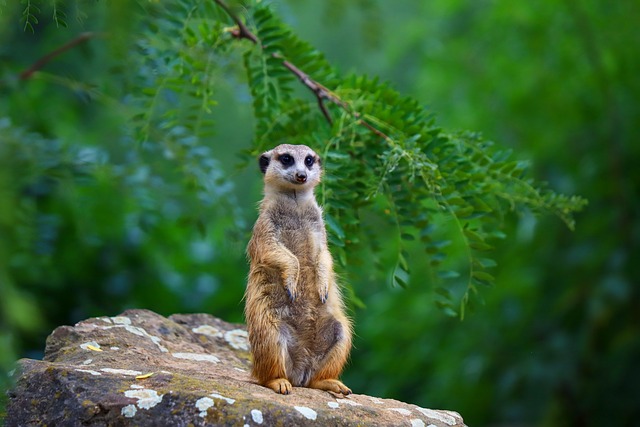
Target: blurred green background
[[93, 222]]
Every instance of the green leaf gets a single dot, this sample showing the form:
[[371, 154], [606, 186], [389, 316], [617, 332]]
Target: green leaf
[[443, 292], [446, 308], [400, 280], [480, 246], [448, 274], [485, 262], [473, 236], [483, 276], [334, 226]]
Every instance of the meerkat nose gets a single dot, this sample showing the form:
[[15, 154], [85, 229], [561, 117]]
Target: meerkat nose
[[301, 177]]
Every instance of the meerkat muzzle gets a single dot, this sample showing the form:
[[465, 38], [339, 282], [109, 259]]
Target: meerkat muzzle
[[301, 177]]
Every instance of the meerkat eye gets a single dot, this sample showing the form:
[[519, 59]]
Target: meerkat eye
[[286, 159], [309, 160]]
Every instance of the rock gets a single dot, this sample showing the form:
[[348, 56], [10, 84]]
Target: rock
[[142, 369]]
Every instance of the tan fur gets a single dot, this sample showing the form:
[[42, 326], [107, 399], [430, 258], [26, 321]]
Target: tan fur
[[298, 329]]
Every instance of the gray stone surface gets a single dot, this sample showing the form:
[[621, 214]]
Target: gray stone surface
[[142, 369]]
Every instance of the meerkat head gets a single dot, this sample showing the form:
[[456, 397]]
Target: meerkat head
[[291, 167]]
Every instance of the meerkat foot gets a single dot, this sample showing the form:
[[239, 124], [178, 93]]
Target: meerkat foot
[[331, 385], [280, 385]]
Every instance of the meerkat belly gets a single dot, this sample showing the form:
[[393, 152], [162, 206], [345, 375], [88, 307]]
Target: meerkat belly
[[304, 245], [307, 343]]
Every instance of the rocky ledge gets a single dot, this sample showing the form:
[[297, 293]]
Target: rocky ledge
[[142, 369]]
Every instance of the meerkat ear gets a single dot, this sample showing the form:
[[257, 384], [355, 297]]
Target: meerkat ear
[[264, 160]]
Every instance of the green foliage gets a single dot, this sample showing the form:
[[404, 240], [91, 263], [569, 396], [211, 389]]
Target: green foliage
[[383, 153], [28, 15], [32, 11], [59, 16], [122, 205], [279, 114]]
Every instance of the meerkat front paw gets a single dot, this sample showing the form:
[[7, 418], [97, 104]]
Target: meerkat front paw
[[324, 278], [324, 292], [291, 286]]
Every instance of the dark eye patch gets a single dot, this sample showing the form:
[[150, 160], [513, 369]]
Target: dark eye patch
[[309, 161], [286, 160]]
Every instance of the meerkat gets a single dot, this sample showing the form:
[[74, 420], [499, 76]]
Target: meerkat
[[298, 330]]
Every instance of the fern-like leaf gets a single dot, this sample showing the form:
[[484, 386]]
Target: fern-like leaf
[[29, 18]]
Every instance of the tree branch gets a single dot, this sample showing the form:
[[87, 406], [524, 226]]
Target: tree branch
[[320, 91], [28, 73]]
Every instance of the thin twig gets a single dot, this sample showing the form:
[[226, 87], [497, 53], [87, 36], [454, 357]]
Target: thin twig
[[28, 73], [372, 128], [243, 32], [321, 92]]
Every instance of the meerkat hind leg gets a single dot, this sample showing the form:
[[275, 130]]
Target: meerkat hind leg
[[332, 363], [268, 346], [279, 385], [333, 385]]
